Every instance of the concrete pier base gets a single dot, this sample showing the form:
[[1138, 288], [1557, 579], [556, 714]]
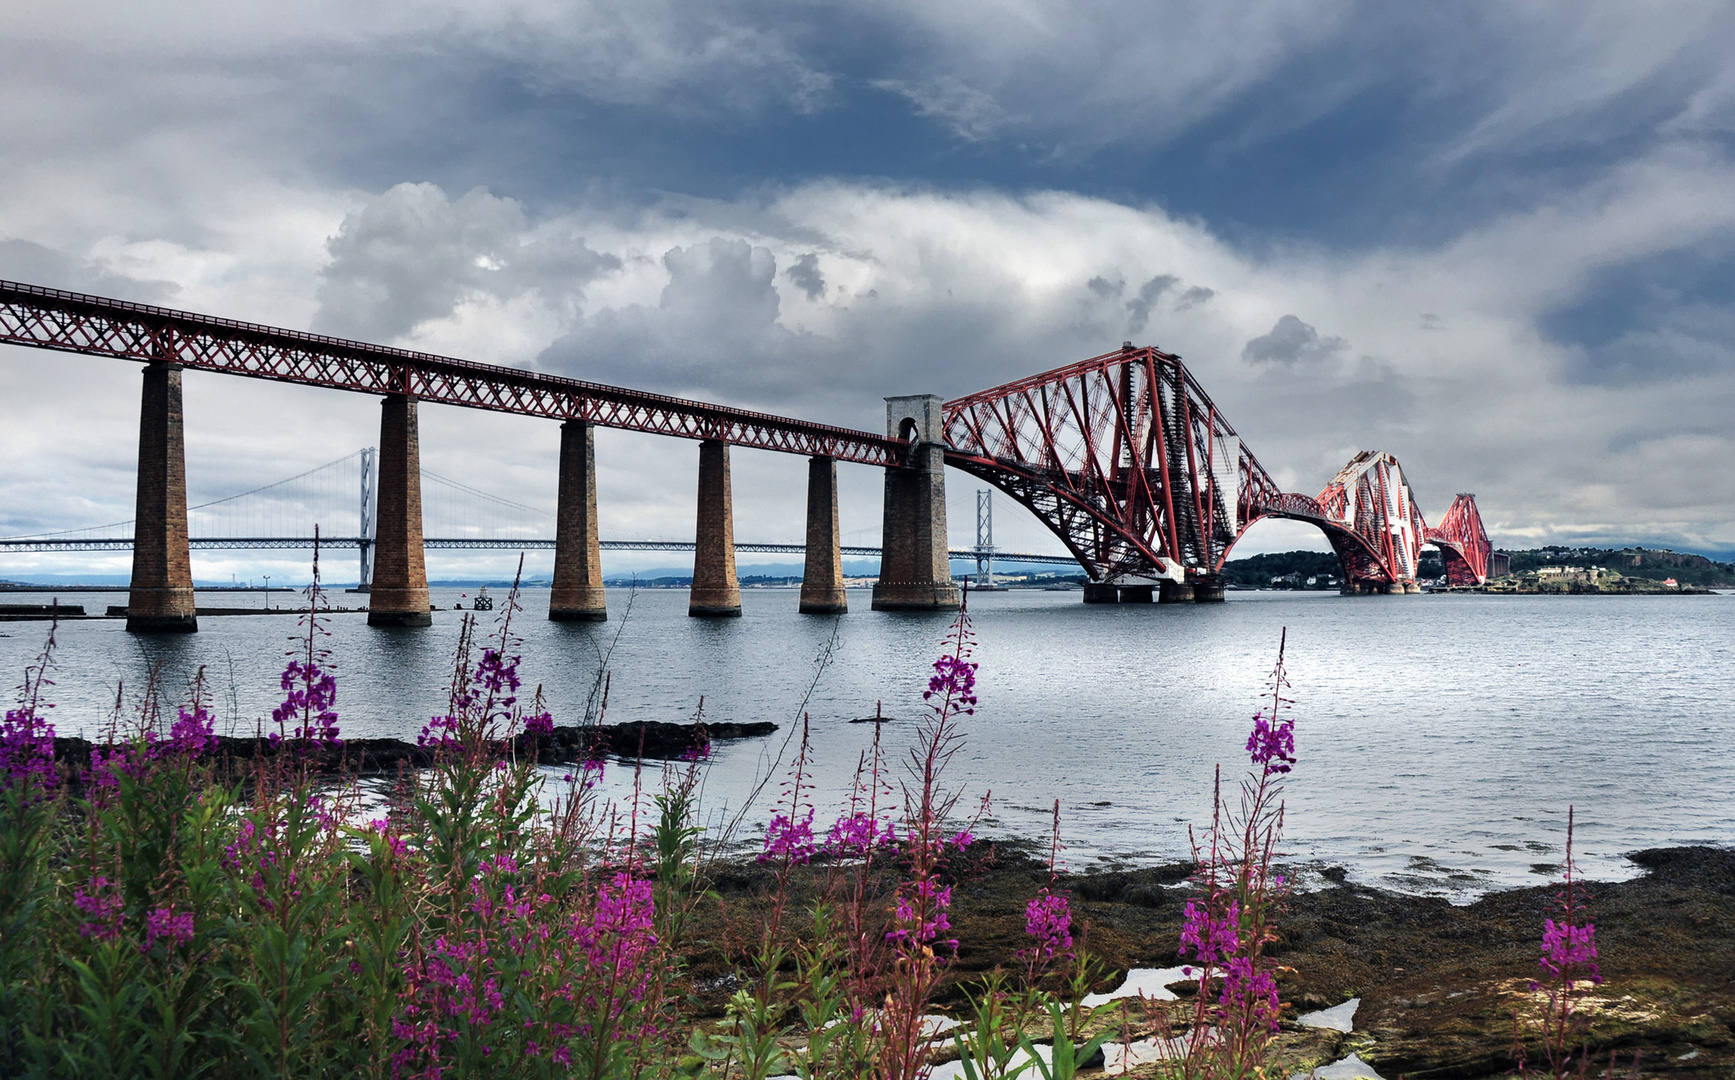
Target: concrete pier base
[[161, 597], [716, 591], [822, 580], [1412, 587], [915, 569], [399, 592], [1208, 591], [577, 594], [1098, 593], [1137, 594], [1174, 592]]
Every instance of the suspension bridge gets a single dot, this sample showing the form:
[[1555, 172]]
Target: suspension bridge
[[1123, 456]]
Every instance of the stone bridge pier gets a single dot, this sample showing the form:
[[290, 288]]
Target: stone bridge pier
[[577, 594], [399, 594], [915, 569], [822, 578], [716, 592], [160, 599]]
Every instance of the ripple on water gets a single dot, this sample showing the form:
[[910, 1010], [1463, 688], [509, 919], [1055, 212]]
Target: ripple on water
[[1497, 712]]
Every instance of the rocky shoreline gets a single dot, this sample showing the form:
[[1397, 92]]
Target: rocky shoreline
[[1440, 985], [649, 739]]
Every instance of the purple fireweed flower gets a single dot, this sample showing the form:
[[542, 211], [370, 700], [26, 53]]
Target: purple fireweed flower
[[1272, 745], [132, 760], [191, 734], [101, 906], [858, 834], [1211, 940], [963, 840], [27, 750], [1048, 922], [618, 934], [500, 864], [539, 726], [311, 693], [394, 843], [166, 923], [1249, 996], [1569, 952], [439, 731], [498, 674], [699, 751], [954, 680], [921, 914], [787, 838]]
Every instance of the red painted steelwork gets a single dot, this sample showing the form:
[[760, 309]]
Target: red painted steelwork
[[74, 322], [1127, 460], [1463, 543], [1123, 456]]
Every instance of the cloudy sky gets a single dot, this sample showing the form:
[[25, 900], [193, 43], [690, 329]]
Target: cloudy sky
[[1494, 239]]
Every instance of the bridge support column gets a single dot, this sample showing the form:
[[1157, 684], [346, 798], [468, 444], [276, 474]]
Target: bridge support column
[[399, 592], [915, 566], [161, 597], [1412, 587], [822, 582], [1174, 592], [1136, 594], [577, 594], [715, 592], [1208, 591], [1096, 592]]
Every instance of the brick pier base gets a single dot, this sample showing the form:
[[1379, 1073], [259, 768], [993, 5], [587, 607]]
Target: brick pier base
[[577, 595], [716, 591], [400, 581], [822, 583], [161, 598]]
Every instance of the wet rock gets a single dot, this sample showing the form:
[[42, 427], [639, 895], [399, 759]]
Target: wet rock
[[566, 745]]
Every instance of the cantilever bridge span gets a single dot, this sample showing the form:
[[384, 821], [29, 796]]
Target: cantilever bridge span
[[1126, 458], [1123, 456]]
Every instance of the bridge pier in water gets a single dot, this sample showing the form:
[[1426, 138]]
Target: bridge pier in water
[[577, 593], [915, 564], [1208, 591], [1174, 592], [822, 578], [716, 592], [161, 596], [399, 591]]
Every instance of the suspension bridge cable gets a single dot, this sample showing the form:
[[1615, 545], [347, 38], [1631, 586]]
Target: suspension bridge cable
[[468, 490]]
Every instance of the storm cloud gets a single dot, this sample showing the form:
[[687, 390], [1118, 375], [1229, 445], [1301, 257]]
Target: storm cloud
[[1493, 242]]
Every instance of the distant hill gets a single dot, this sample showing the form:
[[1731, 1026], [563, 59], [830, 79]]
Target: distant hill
[[1654, 564], [1291, 569]]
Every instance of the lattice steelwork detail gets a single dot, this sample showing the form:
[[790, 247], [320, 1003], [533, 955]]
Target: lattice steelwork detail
[[1463, 543], [1123, 456], [96, 326], [1127, 460]]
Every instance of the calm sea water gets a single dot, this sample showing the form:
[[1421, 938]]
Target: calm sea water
[[1441, 738]]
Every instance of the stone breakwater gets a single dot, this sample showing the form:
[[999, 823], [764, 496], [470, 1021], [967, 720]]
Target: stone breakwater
[[562, 746]]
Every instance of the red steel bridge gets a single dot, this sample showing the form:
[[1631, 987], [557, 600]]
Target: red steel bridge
[[1124, 456], [1128, 460]]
